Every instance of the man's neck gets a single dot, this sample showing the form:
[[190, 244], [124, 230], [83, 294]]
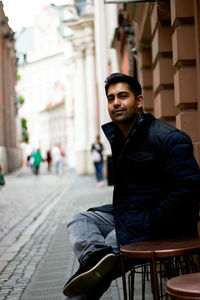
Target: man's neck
[[126, 127]]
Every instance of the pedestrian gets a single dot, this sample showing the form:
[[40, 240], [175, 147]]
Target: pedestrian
[[49, 160], [31, 160], [37, 158], [58, 155], [28, 160], [97, 158], [156, 190], [2, 179]]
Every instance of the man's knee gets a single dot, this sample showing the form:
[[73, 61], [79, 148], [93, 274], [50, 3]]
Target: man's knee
[[74, 219]]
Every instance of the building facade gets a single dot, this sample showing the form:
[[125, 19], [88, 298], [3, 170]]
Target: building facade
[[40, 51], [88, 61], [10, 151], [158, 42]]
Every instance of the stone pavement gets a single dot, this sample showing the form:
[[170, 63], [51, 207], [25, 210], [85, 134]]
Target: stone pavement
[[59, 263], [35, 255]]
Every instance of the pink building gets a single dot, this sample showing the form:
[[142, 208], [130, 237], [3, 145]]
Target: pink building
[[159, 43], [10, 153]]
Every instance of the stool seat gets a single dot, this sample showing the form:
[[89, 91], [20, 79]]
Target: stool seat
[[184, 286], [162, 248], [157, 249]]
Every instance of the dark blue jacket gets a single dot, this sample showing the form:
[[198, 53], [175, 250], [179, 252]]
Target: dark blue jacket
[[157, 181]]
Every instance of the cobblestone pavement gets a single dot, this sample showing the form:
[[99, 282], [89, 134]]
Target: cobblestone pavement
[[25, 192], [35, 255]]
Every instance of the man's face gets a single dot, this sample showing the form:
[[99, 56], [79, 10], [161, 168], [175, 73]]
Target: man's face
[[122, 105]]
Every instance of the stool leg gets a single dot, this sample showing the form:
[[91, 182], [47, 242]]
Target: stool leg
[[144, 267], [160, 278], [131, 284], [155, 278], [123, 277]]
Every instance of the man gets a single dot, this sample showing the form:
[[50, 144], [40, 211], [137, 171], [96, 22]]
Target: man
[[155, 191]]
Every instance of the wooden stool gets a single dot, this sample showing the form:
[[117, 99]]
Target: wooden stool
[[184, 286], [157, 250]]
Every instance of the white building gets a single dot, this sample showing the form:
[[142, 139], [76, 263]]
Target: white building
[[89, 62], [62, 77], [42, 80]]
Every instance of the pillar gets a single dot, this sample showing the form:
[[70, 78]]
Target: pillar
[[145, 72], [163, 70], [184, 61], [91, 102], [81, 117], [197, 50], [1, 94]]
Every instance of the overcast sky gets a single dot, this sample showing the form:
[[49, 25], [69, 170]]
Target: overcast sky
[[21, 13]]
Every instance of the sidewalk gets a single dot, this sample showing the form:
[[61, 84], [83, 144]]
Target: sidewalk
[[59, 263], [35, 255]]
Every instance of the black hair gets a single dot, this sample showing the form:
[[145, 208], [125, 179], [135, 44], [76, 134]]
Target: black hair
[[133, 84]]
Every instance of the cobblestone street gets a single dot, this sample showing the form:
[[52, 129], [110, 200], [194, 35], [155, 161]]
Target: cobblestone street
[[35, 255]]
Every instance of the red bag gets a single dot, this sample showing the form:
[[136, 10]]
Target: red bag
[[62, 152]]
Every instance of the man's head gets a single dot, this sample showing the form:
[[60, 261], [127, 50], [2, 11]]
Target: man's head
[[124, 100], [133, 84]]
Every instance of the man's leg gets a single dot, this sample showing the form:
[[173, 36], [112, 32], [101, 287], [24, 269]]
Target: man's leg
[[90, 231], [93, 239]]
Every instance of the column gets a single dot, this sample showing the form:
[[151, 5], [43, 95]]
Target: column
[[101, 57], [184, 60], [1, 93], [91, 98], [197, 49], [146, 75], [81, 118], [102, 24], [163, 70]]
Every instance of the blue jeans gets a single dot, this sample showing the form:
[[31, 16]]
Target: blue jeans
[[99, 170], [91, 231]]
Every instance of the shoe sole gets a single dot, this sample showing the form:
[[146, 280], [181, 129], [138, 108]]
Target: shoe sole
[[86, 281]]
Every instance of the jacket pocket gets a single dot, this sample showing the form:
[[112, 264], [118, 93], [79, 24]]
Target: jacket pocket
[[141, 156]]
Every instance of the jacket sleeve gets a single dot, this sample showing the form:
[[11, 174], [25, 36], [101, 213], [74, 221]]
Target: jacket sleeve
[[183, 180]]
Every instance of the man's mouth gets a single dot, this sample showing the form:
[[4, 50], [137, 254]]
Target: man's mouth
[[116, 111]]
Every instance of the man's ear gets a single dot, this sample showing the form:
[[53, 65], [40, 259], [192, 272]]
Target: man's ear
[[139, 100]]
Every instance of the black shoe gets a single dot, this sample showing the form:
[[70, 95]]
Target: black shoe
[[89, 274]]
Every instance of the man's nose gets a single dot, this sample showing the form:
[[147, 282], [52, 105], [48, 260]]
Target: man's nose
[[117, 101]]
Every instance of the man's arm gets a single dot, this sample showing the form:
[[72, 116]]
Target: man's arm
[[183, 176]]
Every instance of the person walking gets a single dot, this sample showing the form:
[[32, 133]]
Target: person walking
[[49, 160], [97, 158], [2, 179], [58, 155], [156, 191], [37, 158]]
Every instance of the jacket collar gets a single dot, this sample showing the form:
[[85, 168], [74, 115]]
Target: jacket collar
[[112, 131]]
